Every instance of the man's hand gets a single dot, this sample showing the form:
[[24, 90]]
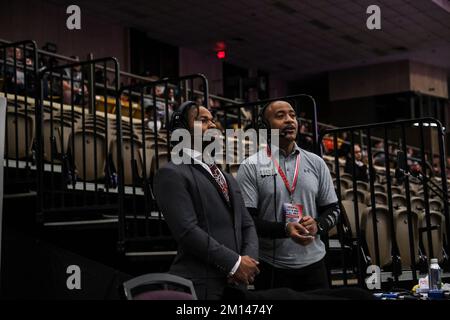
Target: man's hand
[[299, 233], [246, 272], [310, 224]]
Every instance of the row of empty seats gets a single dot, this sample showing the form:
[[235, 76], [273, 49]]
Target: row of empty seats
[[86, 137], [401, 228]]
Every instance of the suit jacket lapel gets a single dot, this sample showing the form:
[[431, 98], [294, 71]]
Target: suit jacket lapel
[[214, 182], [232, 195]]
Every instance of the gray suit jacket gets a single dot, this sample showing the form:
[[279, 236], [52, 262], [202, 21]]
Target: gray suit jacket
[[210, 234]]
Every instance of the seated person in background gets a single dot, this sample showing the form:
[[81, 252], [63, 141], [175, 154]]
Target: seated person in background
[[74, 74], [161, 96], [149, 119], [173, 105], [360, 167], [436, 166], [305, 140], [378, 153], [15, 79]]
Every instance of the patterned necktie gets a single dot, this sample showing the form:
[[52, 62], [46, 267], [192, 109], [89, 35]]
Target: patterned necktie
[[220, 181]]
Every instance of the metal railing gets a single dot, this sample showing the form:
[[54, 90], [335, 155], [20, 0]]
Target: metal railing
[[377, 234], [79, 148], [18, 69]]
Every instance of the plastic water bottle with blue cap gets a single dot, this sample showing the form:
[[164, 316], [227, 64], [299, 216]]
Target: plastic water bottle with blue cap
[[434, 275]]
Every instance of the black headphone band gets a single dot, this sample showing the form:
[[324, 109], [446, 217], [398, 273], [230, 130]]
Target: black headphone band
[[179, 117], [262, 121]]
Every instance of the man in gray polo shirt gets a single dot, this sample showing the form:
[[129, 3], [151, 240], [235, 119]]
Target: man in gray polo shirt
[[280, 183]]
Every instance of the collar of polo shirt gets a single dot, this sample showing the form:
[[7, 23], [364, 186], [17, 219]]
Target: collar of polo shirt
[[276, 150]]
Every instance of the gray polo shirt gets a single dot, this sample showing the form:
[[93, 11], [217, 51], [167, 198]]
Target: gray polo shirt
[[314, 189]]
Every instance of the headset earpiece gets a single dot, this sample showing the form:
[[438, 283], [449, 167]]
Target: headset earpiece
[[262, 121], [179, 117]]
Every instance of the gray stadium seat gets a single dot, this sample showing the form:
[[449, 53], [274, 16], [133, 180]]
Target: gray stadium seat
[[383, 231], [402, 236]]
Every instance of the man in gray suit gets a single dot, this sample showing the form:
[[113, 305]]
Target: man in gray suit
[[204, 209]]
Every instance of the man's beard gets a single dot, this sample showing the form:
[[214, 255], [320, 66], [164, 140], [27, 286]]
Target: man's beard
[[286, 135]]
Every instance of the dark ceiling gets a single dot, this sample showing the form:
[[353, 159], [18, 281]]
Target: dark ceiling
[[291, 38]]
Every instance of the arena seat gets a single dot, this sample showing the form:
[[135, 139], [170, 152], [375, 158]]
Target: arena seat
[[95, 154], [349, 210], [132, 160], [381, 198], [385, 240], [398, 201], [346, 176], [379, 188], [361, 195], [417, 204], [54, 137], [397, 190], [402, 236], [364, 186], [435, 205], [149, 158], [20, 132], [345, 184]]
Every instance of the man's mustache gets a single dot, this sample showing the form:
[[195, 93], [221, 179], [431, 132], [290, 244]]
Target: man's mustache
[[288, 127]]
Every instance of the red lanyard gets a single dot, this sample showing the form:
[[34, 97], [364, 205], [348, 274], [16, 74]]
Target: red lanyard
[[283, 176]]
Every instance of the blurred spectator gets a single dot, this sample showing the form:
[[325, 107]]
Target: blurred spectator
[[416, 168], [378, 153], [436, 166], [15, 77], [162, 93], [305, 139], [409, 156], [360, 166], [342, 145], [73, 78], [211, 104], [171, 94], [149, 119], [159, 91], [217, 104], [173, 104], [199, 100]]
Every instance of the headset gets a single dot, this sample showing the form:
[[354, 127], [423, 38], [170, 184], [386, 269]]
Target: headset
[[179, 119], [262, 122]]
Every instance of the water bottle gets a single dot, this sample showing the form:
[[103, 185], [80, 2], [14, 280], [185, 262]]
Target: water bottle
[[434, 276]]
